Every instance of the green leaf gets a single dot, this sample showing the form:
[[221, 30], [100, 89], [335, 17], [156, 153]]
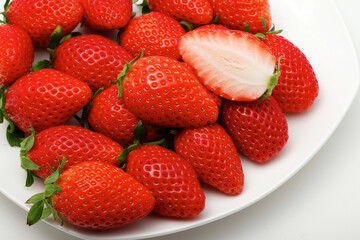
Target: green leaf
[[263, 21], [70, 35], [216, 20], [46, 212], [35, 212], [56, 174], [42, 64], [50, 189], [145, 10], [37, 197], [55, 38], [27, 164], [27, 143], [140, 132], [135, 1], [187, 26], [29, 178], [6, 5], [162, 142], [15, 137], [143, 4]]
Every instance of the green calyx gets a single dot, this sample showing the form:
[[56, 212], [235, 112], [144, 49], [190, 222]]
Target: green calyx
[[56, 40], [4, 13], [262, 35], [14, 135], [273, 81], [42, 205], [26, 164]]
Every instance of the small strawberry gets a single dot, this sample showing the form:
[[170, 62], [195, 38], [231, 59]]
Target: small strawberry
[[44, 99], [39, 18], [212, 153], [103, 15], [170, 178], [154, 34], [242, 14], [92, 195], [108, 115], [259, 128], [233, 64], [197, 12], [297, 86], [75, 143], [17, 54], [92, 59]]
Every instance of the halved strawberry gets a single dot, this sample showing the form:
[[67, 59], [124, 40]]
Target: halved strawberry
[[233, 64]]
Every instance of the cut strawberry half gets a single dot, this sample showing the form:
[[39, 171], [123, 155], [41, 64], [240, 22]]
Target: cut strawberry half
[[233, 64]]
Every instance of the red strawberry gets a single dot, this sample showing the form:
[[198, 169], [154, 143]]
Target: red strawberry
[[154, 33], [92, 195], [213, 155], [109, 116], [233, 64], [198, 12], [102, 15], [39, 18], [161, 92], [298, 86], [44, 99], [92, 59], [75, 143], [259, 128], [236, 14], [169, 178], [17, 53]]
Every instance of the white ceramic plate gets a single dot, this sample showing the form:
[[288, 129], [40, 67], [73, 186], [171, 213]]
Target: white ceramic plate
[[314, 26]]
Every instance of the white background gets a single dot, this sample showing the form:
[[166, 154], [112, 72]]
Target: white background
[[322, 201]]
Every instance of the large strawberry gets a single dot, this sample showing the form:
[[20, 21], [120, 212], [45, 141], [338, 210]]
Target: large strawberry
[[44, 99], [102, 15], [212, 153], [259, 129], [198, 12], [233, 64], [17, 53], [92, 59], [161, 92], [243, 14], [75, 143], [297, 86], [39, 18], [170, 178], [108, 115], [92, 195], [154, 34]]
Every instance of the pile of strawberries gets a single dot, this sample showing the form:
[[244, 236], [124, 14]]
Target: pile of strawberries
[[188, 85]]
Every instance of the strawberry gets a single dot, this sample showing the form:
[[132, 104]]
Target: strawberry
[[197, 12], [233, 64], [298, 87], [44, 99], [17, 53], [212, 153], [102, 15], [108, 115], [75, 143], [154, 34], [242, 14], [39, 18], [161, 92], [92, 59], [92, 195], [259, 128], [170, 178]]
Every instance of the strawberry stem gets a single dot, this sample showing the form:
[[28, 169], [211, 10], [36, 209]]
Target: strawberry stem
[[273, 81]]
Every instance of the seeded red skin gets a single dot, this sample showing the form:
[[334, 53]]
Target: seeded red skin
[[259, 129], [17, 54], [75, 143], [297, 86], [170, 178], [154, 33], [108, 115], [234, 14], [161, 92], [44, 99], [104, 15], [197, 12], [99, 196], [213, 155], [39, 18], [93, 59]]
